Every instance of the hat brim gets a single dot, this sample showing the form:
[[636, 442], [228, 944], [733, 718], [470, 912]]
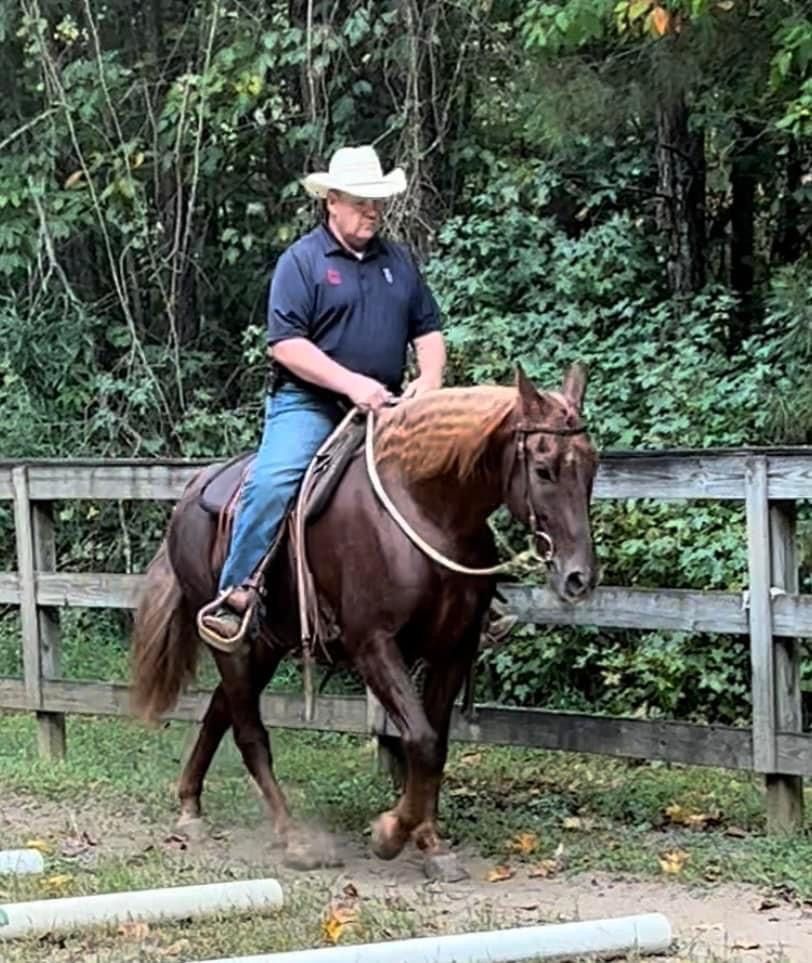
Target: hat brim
[[320, 183]]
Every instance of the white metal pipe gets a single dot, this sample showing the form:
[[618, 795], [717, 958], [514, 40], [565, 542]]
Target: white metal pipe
[[645, 934], [18, 862], [50, 915]]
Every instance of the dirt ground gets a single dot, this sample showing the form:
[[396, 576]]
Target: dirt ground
[[716, 923]]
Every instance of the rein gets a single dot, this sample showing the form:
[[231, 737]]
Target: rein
[[522, 431]]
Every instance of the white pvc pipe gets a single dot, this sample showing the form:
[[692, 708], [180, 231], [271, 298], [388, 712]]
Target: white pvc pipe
[[50, 915], [17, 862], [644, 934]]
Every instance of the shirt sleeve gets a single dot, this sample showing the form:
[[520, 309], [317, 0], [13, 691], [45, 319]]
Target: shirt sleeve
[[291, 300], [424, 313]]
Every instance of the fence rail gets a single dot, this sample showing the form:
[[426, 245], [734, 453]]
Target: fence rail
[[770, 612]]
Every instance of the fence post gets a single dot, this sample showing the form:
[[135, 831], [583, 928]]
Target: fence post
[[761, 636], [34, 532], [785, 800]]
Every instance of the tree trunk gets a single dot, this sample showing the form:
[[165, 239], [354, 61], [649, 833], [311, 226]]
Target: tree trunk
[[743, 177], [681, 212], [788, 242]]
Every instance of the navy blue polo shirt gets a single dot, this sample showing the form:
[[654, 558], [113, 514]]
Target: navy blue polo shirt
[[362, 313]]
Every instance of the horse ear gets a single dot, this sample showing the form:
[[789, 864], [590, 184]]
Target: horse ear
[[531, 401], [575, 384]]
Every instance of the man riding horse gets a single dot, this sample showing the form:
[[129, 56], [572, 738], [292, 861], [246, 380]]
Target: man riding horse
[[344, 305], [417, 570]]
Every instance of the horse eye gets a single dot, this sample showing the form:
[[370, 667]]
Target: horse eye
[[544, 473]]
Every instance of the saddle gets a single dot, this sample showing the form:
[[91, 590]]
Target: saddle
[[220, 495]]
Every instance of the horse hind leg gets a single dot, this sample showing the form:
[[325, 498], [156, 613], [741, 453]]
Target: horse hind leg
[[244, 675], [216, 723]]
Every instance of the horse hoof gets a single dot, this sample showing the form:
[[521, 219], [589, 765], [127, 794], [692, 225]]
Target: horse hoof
[[444, 867], [192, 827], [313, 852], [388, 836]]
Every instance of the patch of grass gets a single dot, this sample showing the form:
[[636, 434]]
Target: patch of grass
[[609, 815], [331, 777]]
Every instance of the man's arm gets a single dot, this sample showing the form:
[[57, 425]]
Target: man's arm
[[431, 359], [304, 359]]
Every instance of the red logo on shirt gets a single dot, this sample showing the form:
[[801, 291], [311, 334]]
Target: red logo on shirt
[[333, 277]]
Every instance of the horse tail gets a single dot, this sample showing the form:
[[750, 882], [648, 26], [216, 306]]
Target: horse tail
[[164, 643]]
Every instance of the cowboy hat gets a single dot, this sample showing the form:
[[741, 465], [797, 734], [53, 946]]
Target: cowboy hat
[[356, 171]]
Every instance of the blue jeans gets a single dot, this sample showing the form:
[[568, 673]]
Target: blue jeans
[[297, 422]]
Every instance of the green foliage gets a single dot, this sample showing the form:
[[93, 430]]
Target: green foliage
[[149, 165]]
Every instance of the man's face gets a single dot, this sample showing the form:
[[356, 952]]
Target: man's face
[[354, 219]]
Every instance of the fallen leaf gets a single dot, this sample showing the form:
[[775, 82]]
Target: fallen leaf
[[40, 844], [660, 21], [58, 883], [736, 832], [681, 816], [471, 759], [73, 179], [767, 903], [674, 861], [525, 843], [350, 891], [338, 918], [578, 823], [76, 845], [500, 873], [176, 948], [544, 869], [725, 5], [134, 930]]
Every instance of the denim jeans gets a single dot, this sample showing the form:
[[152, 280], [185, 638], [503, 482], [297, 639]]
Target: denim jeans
[[297, 422]]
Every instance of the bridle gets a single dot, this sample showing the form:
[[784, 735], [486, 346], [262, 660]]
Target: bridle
[[522, 431]]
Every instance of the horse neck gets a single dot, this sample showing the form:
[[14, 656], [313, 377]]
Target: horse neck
[[446, 454]]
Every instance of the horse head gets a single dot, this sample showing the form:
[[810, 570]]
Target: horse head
[[548, 470]]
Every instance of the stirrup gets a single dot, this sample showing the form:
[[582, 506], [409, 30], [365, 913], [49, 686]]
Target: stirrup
[[208, 635]]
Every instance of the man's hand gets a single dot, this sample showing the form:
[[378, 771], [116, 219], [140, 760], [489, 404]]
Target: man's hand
[[367, 393], [420, 385]]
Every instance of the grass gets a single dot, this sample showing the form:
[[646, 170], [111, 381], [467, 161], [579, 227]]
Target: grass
[[608, 814]]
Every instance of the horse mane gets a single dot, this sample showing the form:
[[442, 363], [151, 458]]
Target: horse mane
[[443, 432]]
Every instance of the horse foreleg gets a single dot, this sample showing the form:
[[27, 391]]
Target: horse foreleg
[[442, 685], [380, 663]]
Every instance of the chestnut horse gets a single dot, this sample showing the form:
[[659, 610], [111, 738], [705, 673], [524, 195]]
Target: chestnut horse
[[447, 459]]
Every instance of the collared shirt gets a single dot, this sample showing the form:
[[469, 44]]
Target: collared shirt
[[362, 312]]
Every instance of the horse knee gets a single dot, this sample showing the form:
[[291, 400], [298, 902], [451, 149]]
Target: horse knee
[[425, 748]]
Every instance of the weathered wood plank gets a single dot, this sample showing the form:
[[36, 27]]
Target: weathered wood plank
[[89, 589], [50, 725], [761, 636], [716, 474], [785, 794], [679, 610], [109, 481], [9, 588], [24, 535], [721, 746]]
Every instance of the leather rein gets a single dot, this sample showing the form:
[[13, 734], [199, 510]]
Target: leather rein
[[522, 431]]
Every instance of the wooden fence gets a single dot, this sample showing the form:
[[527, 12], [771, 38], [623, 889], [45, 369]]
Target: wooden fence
[[771, 612]]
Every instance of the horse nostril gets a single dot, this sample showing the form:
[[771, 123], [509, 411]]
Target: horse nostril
[[575, 584]]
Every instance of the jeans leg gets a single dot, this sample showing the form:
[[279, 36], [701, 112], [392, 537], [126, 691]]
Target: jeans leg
[[296, 425]]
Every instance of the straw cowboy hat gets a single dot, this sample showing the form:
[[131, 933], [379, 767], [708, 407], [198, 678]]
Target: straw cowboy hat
[[356, 171]]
